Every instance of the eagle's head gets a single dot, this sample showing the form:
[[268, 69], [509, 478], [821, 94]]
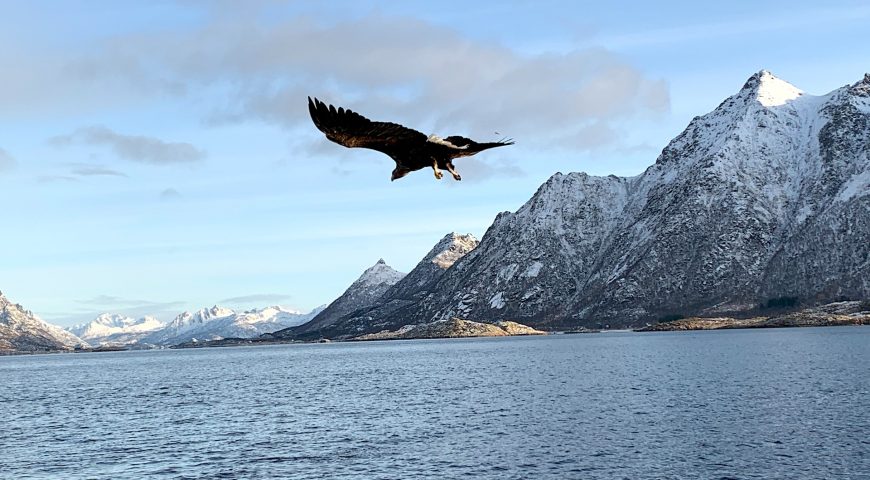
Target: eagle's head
[[399, 172]]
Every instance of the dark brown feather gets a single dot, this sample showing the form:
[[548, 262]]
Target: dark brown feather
[[348, 128]]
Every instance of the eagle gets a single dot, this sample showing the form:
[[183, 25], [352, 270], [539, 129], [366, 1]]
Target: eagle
[[410, 149]]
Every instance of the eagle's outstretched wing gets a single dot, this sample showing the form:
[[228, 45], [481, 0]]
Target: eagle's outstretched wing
[[351, 129]]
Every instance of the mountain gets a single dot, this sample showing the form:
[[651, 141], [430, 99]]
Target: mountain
[[362, 293], [216, 323], [763, 200], [22, 331], [184, 323], [115, 329], [406, 293]]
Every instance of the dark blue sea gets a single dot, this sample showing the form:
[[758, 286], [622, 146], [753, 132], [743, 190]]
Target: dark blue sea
[[779, 403]]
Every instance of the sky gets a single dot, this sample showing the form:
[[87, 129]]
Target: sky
[[158, 156]]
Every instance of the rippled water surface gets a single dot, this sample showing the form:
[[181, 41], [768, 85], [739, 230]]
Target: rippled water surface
[[784, 403]]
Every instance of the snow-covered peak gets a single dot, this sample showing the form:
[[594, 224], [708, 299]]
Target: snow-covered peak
[[450, 249], [258, 315], [202, 315], [379, 273], [274, 310], [769, 89], [108, 324]]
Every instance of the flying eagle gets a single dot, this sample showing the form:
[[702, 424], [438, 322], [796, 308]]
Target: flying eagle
[[410, 149]]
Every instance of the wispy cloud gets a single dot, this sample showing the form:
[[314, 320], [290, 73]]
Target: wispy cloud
[[88, 170], [113, 301], [258, 298], [798, 19], [7, 163], [56, 178], [474, 169], [136, 148], [170, 194]]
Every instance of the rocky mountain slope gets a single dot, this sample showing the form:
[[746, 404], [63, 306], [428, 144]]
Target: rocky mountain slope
[[763, 198], [22, 331], [361, 294], [115, 329], [405, 293]]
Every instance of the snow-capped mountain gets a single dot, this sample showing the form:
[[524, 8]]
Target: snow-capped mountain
[[116, 329], [361, 294], [186, 322], [413, 288], [217, 322], [22, 331], [763, 198]]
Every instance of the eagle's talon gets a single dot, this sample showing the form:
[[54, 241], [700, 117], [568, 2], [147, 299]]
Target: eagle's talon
[[438, 175], [456, 177]]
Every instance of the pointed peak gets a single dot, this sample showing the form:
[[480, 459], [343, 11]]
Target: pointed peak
[[769, 89], [380, 272], [860, 88], [379, 265]]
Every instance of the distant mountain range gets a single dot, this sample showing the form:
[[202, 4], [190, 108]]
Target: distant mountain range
[[114, 329], [217, 322], [22, 331], [213, 323]]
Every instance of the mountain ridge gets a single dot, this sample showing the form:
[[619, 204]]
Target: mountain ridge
[[22, 331], [723, 220]]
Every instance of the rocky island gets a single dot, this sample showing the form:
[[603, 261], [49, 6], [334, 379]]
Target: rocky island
[[454, 328], [832, 314]]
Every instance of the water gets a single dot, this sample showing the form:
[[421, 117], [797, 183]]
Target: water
[[784, 403]]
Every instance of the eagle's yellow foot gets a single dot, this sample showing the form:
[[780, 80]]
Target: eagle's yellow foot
[[456, 176], [438, 173]]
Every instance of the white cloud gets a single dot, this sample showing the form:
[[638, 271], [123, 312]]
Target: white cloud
[[388, 68]]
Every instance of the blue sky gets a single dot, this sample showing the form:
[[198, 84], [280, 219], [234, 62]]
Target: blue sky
[[157, 156]]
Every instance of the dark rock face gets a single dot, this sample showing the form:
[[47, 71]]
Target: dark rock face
[[767, 196]]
